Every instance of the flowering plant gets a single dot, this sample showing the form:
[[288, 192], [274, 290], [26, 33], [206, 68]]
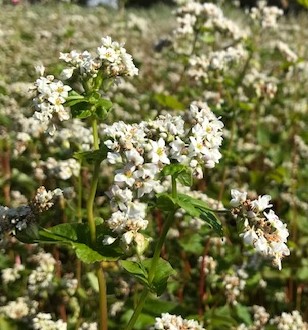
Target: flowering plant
[[129, 194]]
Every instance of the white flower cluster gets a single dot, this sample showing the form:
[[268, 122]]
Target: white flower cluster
[[192, 15], [200, 65], [50, 97], [265, 86], [19, 309], [11, 274], [88, 326], [44, 321], [62, 169], [209, 264], [289, 321], [44, 200], [264, 231], [260, 317], [42, 276], [234, 284], [142, 150], [286, 51], [267, 16], [174, 322], [111, 57], [19, 218]]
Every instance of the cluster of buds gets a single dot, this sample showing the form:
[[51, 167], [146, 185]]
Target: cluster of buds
[[18, 219], [262, 230]]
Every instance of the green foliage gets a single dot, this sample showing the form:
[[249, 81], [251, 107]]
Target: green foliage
[[140, 271], [77, 236]]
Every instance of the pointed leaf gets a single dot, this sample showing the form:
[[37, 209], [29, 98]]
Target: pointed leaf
[[165, 202], [136, 270], [162, 272]]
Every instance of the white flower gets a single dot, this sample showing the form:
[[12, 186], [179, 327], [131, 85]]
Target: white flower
[[262, 203], [158, 152], [238, 197], [108, 240], [249, 236]]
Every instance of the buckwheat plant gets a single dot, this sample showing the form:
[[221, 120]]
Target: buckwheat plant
[[146, 163]]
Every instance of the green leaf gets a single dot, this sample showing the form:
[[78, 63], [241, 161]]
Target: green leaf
[[81, 109], [186, 205], [78, 237], [199, 209], [92, 155], [102, 107], [211, 219], [74, 98], [165, 202], [220, 318], [173, 169], [196, 202], [242, 312], [162, 272], [186, 178], [137, 270], [92, 278], [28, 235]]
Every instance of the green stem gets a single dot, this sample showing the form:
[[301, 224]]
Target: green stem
[[103, 316], [79, 195], [138, 309], [90, 202], [154, 262], [95, 134]]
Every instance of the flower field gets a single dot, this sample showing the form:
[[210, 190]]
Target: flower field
[[153, 167]]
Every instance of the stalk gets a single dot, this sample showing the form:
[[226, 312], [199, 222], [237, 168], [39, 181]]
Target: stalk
[[154, 262], [103, 315]]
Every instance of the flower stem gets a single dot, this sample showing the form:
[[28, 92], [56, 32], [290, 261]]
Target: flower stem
[[103, 316], [154, 262], [90, 202]]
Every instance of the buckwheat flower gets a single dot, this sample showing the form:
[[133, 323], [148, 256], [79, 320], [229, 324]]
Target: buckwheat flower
[[262, 203], [108, 240], [125, 175], [264, 231], [158, 152], [267, 16], [238, 197], [88, 326], [43, 321], [49, 100], [19, 309], [173, 322], [116, 307], [133, 156], [234, 284], [119, 197], [286, 51], [9, 275], [289, 321]]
